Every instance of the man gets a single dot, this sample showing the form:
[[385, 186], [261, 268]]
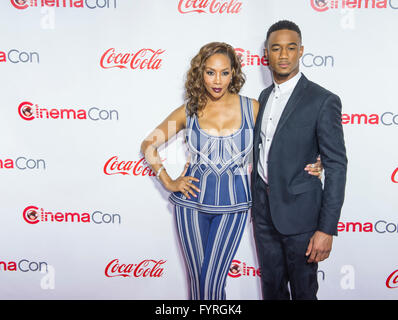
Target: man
[[294, 219]]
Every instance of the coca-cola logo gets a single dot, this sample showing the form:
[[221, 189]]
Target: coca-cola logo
[[392, 280], [148, 59], [394, 176], [209, 6], [132, 167], [146, 268]]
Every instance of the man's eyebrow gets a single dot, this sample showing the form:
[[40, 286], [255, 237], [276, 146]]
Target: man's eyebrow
[[289, 44]]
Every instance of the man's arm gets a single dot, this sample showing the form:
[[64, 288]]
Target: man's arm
[[333, 154]]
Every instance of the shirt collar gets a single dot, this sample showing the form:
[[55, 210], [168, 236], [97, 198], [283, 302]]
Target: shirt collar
[[287, 85]]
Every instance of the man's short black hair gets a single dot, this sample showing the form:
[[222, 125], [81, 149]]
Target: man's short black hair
[[283, 25]]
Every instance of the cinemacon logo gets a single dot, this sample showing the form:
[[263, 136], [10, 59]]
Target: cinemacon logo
[[29, 111], [23, 265], [380, 226], [147, 268], [90, 4], [19, 56], [34, 215], [249, 59], [239, 269], [308, 60], [209, 6], [23, 163], [386, 119], [325, 5]]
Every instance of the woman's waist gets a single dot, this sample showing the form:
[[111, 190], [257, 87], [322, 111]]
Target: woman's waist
[[219, 168], [212, 206], [218, 191]]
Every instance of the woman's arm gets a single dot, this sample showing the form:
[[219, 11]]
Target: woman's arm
[[174, 123]]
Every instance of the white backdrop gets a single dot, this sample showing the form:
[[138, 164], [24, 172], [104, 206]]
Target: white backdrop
[[81, 217]]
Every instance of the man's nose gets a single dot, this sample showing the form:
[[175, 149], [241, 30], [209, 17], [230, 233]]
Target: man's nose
[[283, 53]]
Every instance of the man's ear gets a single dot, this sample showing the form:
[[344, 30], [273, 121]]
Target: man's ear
[[266, 53], [301, 50]]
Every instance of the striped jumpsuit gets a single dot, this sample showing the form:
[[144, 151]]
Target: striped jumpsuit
[[210, 226]]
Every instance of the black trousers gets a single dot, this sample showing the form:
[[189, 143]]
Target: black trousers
[[281, 257]]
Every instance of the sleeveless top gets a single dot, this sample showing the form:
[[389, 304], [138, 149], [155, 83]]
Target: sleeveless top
[[221, 164]]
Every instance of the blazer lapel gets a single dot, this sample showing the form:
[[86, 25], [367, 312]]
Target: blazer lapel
[[292, 103], [257, 129]]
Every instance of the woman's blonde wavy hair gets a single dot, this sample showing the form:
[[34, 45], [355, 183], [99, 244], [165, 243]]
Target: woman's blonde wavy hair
[[195, 91]]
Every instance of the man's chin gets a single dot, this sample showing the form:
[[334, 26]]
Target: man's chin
[[283, 74]]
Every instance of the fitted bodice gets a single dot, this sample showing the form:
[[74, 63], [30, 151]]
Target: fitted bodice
[[221, 165]]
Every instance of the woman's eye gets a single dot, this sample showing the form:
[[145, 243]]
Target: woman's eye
[[210, 73], [225, 73]]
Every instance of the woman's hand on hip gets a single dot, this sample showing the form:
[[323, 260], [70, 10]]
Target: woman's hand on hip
[[184, 184]]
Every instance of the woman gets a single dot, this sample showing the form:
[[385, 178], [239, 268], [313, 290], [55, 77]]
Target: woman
[[212, 195]]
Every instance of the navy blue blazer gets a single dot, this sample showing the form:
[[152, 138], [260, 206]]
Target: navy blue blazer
[[309, 125]]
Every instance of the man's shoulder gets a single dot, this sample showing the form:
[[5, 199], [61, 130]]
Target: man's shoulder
[[319, 96], [317, 89]]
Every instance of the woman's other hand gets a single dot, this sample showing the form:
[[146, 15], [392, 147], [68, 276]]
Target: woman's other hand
[[315, 169]]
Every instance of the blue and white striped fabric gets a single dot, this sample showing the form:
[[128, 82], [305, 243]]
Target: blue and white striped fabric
[[209, 244], [221, 165]]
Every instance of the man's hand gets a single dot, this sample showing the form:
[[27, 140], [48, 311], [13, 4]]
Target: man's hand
[[319, 247]]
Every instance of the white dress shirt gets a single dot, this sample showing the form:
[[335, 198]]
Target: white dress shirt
[[273, 110]]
